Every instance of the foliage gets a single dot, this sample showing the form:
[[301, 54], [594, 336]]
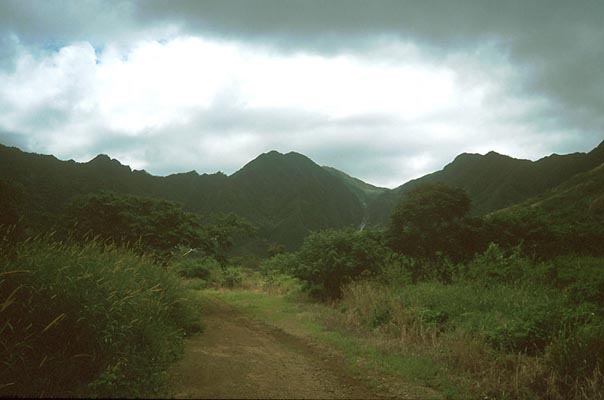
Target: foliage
[[329, 259], [155, 225], [276, 278], [220, 232], [429, 222], [489, 333], [192, 266], [88, 320]]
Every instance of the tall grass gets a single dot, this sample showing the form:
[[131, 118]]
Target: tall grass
[[496, 340], [88, 320]]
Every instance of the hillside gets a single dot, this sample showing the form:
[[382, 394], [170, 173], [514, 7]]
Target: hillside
[[494, 181], [285, 195], [288, 195], [577, 200], [364, 191]]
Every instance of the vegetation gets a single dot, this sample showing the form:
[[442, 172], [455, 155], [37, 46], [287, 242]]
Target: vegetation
[[503, 305], [499, 321], [430, 221], [91, 320]]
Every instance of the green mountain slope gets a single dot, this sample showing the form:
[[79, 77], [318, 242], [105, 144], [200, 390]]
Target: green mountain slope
[[285, 195], [577, 200], [494, 181], [288, 195], [365, 192]]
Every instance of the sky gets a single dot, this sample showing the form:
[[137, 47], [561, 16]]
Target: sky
[[385, 91]]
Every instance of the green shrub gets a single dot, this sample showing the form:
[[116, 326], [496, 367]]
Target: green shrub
[[329, 259], [88, 321], [275, 278], [497, 266], [281, 284], [195, 267], [231, 277], [581, 277], [279, 264], [398, 271]]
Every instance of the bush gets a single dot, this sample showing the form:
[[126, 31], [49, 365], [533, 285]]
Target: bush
[[195, 267], [497, 266], [430, 221], [582, 277], [329, 259], [155, 226], [88, 321], [276, 280]]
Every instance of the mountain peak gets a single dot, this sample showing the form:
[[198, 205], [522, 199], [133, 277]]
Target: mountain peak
[[599, 148], [101, 158]]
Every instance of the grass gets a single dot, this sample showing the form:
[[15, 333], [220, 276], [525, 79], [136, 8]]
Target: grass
[[459, 340], [323, 324], [88, 320]]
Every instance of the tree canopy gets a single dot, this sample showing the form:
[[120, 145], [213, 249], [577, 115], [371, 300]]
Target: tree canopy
[[155, 226], [430, 220]]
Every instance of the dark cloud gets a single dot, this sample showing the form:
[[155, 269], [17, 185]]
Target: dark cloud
[[557, 44], [554, 48]]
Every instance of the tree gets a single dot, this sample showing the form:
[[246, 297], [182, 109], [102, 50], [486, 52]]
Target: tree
[[430, 221], [329, 259], [221, 232], [157, 226]]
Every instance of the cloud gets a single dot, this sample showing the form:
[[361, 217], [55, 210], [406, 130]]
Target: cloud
[[384, 90], [556, 44]]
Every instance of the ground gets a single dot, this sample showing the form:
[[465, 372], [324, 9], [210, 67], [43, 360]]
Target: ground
[[237, 357]]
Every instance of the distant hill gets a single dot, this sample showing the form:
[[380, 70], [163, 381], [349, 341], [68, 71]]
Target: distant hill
[[577, 200], [288, 195], [365, 192], [285, 195], [494, 181]]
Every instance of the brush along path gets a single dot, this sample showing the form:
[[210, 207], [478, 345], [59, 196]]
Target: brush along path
[[237, 357]]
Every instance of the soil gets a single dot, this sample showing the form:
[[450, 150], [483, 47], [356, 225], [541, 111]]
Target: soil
[[237, 357]]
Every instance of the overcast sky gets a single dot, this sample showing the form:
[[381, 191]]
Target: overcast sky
[[383, 90]]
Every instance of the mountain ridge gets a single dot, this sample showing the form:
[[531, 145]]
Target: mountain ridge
[[288, 195]]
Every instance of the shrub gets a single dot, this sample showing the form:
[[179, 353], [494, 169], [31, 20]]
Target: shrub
[[398, 271], [195, 267], [496, 266], [329, 259], [88, 321], [276, 280], [581, 277]]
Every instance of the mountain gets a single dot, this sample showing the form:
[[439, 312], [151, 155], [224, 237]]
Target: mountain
[[288, 195], [365, 192], [285, 195], [580, 199], [494, 181]]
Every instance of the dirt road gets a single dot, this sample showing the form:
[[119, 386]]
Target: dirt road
[[236, 357]]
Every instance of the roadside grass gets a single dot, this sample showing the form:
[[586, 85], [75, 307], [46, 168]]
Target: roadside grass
[[89, 320], [322, 324], [455, 341]]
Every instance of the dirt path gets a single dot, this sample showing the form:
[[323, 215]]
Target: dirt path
[[236, 357]]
